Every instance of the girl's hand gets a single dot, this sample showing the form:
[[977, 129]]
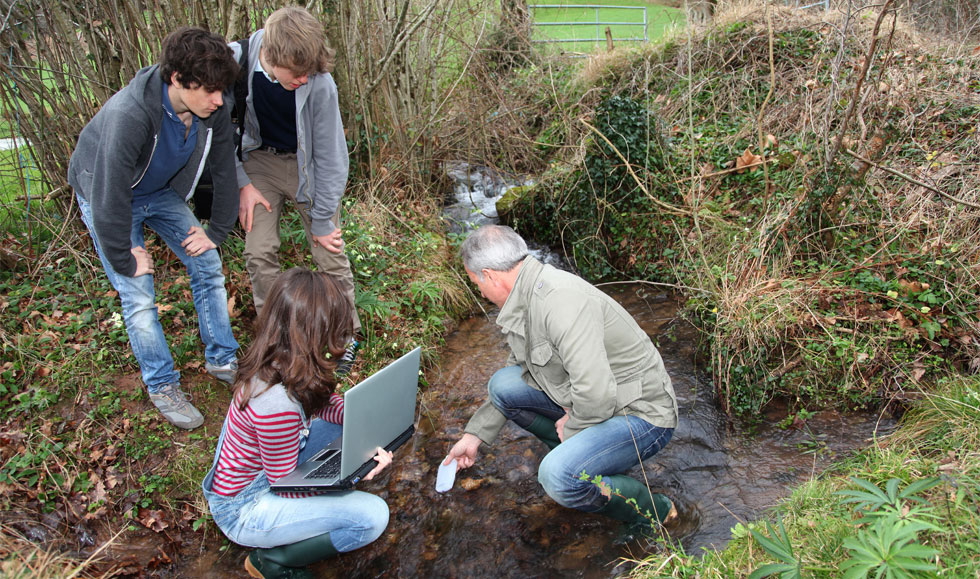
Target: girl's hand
[[384, 459]]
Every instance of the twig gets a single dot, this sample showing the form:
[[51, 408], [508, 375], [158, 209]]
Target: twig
[[656, 283], [860, 82], [727, 171], [910, 179], [386, 60], [666, 206]]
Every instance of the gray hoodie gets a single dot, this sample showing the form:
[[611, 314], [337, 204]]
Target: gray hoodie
[[114, 150]]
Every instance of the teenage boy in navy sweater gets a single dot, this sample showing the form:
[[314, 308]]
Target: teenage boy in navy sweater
[[293, 149]]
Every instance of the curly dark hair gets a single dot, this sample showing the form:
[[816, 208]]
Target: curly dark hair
[[306, 315], [199, 58]]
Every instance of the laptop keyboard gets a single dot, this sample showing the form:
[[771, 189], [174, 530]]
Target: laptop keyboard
[[329, 469]]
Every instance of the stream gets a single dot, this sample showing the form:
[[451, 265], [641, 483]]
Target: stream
[[497, 521]]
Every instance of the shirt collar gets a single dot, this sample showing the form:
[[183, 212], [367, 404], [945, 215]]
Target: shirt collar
[[168, 107], [260, 68]]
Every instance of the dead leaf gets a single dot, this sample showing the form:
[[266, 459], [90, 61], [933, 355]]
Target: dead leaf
[[747, 161], [153, 520], [99, 494], [909, 287], [470, 484]]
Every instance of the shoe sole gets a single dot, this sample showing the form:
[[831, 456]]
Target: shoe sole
[[252, 571]]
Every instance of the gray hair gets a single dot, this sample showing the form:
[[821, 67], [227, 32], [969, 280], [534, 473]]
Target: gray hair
[[495, 247]]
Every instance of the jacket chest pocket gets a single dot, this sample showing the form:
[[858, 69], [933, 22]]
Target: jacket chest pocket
[[546, 366]]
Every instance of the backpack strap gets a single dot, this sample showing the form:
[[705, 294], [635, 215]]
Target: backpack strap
[[241, 94]]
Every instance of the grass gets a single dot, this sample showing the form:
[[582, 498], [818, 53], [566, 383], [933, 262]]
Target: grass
[[660, 21], [925, 475]]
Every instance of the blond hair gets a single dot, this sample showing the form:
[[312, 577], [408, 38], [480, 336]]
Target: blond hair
[[294, 39]]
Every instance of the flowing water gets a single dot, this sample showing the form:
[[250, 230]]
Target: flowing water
[[497, 521]]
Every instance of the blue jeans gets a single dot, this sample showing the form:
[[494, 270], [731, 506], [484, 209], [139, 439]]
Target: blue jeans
[[169, 216], [608, 448], [257, 517]]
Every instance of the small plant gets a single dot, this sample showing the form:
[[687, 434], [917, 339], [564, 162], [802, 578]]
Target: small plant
[[779, 546], [873, 503], [887, 547]]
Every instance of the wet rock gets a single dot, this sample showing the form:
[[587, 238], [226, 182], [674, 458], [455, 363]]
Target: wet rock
[[506, 203]]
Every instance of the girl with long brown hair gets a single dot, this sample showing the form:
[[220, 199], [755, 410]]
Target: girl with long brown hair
[[285, 408]]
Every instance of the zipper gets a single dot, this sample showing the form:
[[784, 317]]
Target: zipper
[[200, 167], [148, 161]]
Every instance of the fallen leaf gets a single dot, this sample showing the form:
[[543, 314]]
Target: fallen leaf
[[470, 484], [153, 520], [747, 159]]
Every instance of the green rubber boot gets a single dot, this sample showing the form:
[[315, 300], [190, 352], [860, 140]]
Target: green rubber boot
[[659, 507], [290, 561], [544, 430]]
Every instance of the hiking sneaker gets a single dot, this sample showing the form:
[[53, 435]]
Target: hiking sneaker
[[226, 373], [172, 403], [346, 361]]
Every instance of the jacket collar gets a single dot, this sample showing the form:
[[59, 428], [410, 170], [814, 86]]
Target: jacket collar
[[511, 318]]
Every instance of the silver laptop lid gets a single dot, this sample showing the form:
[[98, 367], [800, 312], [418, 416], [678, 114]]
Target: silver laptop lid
[[378, 410]]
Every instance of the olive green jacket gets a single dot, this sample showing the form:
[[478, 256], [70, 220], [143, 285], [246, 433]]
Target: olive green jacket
[[582, 349]]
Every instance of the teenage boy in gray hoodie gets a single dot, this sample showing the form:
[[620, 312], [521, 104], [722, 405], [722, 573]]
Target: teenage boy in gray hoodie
[[136, 164], [293, 149]]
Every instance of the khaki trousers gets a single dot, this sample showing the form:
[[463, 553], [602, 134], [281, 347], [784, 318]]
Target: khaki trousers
[[276, 176]]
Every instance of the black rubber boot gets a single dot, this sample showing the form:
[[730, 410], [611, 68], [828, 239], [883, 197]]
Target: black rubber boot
[[649, 513], [290, 561], [544, 429]]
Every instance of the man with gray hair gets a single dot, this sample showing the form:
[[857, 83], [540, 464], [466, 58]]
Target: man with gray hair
[[582, 376]]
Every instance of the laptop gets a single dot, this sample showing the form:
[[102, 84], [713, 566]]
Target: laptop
[[379, 411]]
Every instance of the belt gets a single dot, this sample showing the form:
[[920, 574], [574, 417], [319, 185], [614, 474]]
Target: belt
[[276, 151]]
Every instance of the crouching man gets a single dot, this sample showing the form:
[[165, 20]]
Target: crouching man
[[582, 377]]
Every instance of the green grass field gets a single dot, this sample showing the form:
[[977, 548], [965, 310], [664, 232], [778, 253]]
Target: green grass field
[[628, 19]]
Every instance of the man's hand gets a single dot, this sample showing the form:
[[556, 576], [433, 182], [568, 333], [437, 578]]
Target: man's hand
[[560, 426], [332, 242], [384, 459], [248, 198], [144, 263], [464, 451], [197, 242]]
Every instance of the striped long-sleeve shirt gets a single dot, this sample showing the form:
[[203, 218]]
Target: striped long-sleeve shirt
[[264, 437]]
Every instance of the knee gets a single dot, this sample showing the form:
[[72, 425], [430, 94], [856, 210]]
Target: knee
[[139, 310], [375, 519], [207, 269], [502, 383], [561, 484]]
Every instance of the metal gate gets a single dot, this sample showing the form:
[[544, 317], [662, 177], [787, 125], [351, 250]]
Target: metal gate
[[598, 25]]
